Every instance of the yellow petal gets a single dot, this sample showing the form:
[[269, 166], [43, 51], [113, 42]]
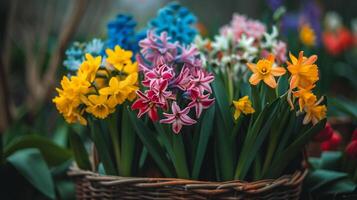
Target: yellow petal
[[236, 114], [292, 58], [278, 71], [252, 67], [255, 79], [270, 80]]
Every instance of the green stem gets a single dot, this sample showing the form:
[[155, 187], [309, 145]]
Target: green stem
[[230, 87], [114, 134]]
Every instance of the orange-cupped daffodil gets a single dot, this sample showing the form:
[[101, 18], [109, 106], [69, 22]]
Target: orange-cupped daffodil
[[304, 73], [265, 71]]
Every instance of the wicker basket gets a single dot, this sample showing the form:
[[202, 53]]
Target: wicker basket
[[90, 185]]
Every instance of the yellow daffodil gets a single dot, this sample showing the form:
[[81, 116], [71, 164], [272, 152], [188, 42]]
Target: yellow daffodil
[[304, 73], [89, 67], [68, 98], [306, 97], [314, 112], [75, 117], [307, 35], [120, 59], [101, 79], [97, 105], [265, 71], [243, 105]]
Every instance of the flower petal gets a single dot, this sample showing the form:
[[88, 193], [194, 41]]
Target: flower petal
[[255, 79], [270, 80], [278, 71]]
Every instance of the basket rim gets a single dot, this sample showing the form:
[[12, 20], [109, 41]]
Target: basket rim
[[205, 187]]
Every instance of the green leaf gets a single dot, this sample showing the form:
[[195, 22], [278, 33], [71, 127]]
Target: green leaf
[[255, 138], [102, 146], [293, 149], [322, 182], [224, 125], [224, 149], [60, 136], [345, 106], [52, 153], [80, 154], [223, 105], [30, 164], [204, 136], [331, 160], [180, 156], [128, 145], [154, 148]]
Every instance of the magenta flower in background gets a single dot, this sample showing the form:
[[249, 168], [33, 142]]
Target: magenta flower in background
[[172, 73]]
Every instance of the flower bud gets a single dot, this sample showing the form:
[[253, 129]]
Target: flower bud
[[332, 143]]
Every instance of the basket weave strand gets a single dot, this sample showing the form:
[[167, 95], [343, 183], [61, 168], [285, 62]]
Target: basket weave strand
[[91, 185]]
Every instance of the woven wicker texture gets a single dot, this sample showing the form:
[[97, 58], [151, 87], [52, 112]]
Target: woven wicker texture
[[90, 185]]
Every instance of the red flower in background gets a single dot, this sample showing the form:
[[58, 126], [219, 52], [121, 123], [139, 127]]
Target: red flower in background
[[325, 134], [332, 143], [337, 41], [351, 149]]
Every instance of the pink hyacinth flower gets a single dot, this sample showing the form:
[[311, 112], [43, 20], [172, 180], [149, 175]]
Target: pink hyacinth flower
[[202, 81], [158, 74], [279, 50], [146, 105], [159, 91], [178, 118], [200, 102], [157, 49], [183, 79]]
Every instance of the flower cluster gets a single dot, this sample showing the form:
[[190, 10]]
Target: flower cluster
[[121, 31], [98, 87], [303, 76], [336, 37], [242, 41], [177, 21], [75, 54], [173, 78]]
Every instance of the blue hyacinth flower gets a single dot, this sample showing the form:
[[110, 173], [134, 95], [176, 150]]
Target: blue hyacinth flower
[[177, 21], [75, 54], [121, 31]]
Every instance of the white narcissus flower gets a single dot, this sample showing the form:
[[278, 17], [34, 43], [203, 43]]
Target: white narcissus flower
[[220, 43], [200, 42], [270, 40], [247, 44]]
